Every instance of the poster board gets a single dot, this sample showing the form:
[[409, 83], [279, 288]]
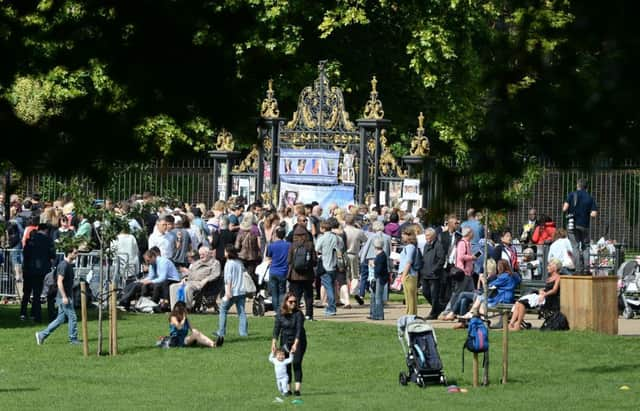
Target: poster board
[[339, 194], [308, 166]]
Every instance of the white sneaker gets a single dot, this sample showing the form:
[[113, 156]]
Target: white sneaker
[[278, 400], [39, 339]]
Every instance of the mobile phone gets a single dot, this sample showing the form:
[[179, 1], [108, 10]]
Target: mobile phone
[[478, 254]]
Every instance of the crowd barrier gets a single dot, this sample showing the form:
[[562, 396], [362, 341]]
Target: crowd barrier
[[87, 267]]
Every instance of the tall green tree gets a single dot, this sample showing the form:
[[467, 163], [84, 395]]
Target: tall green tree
[[502, 83]]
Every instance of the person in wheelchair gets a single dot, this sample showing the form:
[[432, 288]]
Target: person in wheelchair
[[204, 271]]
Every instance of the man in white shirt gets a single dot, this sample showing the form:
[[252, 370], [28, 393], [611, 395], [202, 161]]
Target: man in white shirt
[[160, 239]]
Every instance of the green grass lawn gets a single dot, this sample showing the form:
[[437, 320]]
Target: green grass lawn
[[347, 366]]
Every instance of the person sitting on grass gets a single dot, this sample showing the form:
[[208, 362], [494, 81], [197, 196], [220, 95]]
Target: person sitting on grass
[[179, 329], [280, 365], [547, 298]]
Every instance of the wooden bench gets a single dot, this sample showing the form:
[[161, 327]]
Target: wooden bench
[[522, 289]]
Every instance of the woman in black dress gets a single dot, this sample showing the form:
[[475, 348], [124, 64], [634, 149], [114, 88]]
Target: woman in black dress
[[289, 327]]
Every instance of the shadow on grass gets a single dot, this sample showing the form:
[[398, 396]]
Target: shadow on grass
[[10, 390], [10, 317], [601, 369]]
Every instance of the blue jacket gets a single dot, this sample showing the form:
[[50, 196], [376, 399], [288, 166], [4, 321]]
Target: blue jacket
[[506, 285]]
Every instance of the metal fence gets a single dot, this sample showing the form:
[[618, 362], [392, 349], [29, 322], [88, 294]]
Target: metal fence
[[615, 187], [87, 267], [616, 190], [188, 180]]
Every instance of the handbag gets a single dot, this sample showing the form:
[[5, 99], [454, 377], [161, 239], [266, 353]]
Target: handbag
[[181, 294], [248, 286], [396, 285], [456, 274], [354, 286]]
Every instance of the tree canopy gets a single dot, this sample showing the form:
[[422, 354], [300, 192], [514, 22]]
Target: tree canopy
[[501, 83]]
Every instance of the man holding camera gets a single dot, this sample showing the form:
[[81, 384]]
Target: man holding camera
[[580, 207]]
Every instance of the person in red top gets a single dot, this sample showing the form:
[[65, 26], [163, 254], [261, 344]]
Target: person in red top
[[544, 231]]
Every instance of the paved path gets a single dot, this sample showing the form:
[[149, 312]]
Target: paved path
[[394, 310]]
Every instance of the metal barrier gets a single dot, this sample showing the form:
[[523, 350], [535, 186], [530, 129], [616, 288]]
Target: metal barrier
[[87, 267]]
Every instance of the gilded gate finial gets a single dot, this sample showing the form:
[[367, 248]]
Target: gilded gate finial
[[373, 109], [269, 108], [224, 141], [420, 143]]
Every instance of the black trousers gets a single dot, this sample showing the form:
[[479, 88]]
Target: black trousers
[[32, 284], [304, 287], [296, 364], [446, 287], [131, 292], [52, 310], [431, 292], [158, 291]]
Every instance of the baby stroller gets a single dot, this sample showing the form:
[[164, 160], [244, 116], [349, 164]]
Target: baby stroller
[[629, 289], [262, 301], [421, 352]]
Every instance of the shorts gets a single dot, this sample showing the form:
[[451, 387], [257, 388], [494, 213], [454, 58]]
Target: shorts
[[530, 300], [16, 257]]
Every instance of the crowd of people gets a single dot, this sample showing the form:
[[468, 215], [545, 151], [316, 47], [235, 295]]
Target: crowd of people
[[313, 258], [325, 257]]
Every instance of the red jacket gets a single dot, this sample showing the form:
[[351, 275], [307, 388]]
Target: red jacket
[[544, 233]]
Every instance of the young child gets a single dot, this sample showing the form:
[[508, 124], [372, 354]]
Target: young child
[[179, 329], [280, 366]]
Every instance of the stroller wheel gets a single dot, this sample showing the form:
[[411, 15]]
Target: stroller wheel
[[443, 380], [402, 379], [420, 382], [627, 314], [258, 307]]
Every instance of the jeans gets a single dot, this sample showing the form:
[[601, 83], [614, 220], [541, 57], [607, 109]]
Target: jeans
[[328, 280], [581, 243], [277, 289], [364, 279], [242, 316], [465, 299], [377, 300], [431, 292], [304, 287], [64, 311]]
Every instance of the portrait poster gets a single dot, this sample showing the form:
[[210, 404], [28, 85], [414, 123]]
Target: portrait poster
[[411, 189], [395, 191], [348, 171], [341, 195], [308, 166]]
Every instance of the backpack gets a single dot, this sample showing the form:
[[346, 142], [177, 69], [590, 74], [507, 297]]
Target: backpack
[[477, 340], [417, 261], [555, 322], [302, 259], [341, 261], [249, 251]]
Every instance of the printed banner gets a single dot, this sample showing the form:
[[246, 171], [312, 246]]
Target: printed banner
[[324, 195], [309, 166]]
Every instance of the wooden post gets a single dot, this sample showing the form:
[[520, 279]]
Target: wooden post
[[110, 320], [475, 369], [505, 346], [83, 314], [113, 318], [114, 304]]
